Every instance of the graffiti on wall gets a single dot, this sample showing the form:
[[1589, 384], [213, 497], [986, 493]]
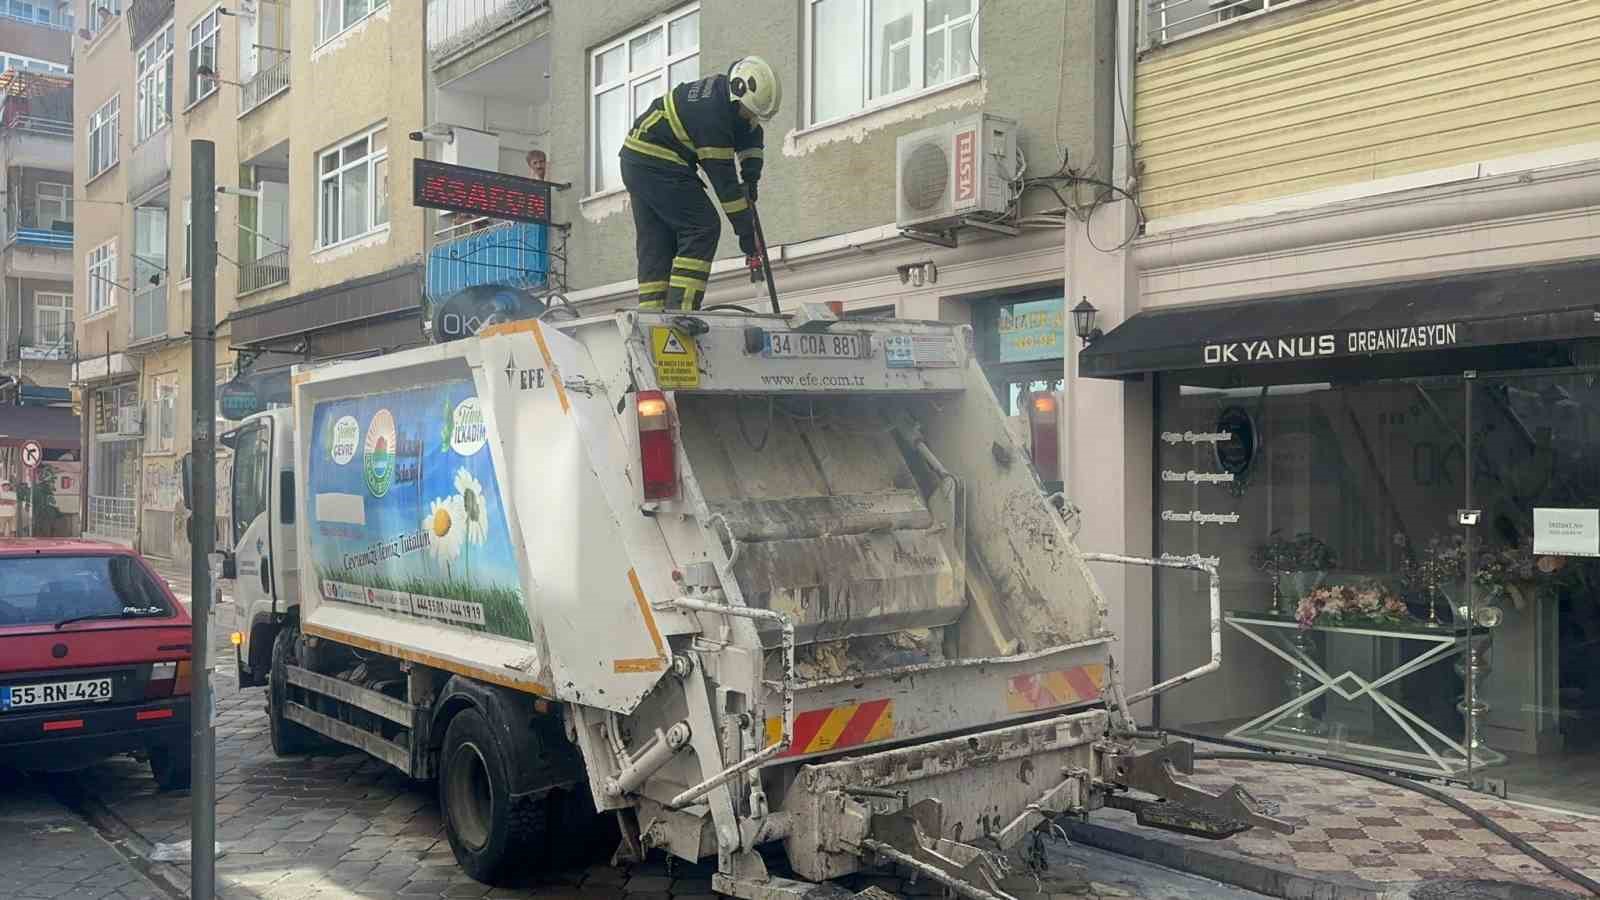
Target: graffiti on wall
[[161, 483]]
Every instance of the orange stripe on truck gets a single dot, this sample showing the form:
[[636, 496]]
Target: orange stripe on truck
[[820, 730], [1062, 687]]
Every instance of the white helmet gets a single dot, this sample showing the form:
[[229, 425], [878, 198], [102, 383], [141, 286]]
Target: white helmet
[[755, 86]]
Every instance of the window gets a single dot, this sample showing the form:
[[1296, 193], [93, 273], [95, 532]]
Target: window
[[39, 590], [28, 63], [149, 245], [161, 431], [252, 464], [866, 53], [101, 14], [627, 74], [204, 36], [337, 15], [353, 181], [52, 319], [54, 203], [188, 236], [103, 277], [154, 65], [103, 136]]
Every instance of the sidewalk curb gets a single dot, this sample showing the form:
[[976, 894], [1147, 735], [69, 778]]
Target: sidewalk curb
[[1253, 875], [133, 847]]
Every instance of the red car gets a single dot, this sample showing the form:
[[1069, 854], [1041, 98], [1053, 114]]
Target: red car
[[94, 660]]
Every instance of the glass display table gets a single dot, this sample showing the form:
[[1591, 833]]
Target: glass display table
[[1292, 725]]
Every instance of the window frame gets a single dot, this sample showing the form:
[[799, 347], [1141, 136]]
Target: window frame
[[161, 429], [149, 120], [62, 309], [102, 284], [371, 161], [188, 237], [115, 6], [918, 85], [100, 121], [630, 81], [372, 8], [194, 55], [63, 200]]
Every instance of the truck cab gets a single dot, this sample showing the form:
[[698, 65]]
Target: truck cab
[[263, 561]]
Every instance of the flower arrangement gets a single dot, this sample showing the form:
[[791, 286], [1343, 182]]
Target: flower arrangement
[[1365, 603], [1501, 569]]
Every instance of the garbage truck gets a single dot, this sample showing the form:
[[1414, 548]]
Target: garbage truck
[[737, 582]]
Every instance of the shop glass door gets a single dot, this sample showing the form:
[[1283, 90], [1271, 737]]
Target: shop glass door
[[1534, 580]]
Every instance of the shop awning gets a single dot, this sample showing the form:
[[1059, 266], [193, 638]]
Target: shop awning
[[52, 427], [1510, 307]]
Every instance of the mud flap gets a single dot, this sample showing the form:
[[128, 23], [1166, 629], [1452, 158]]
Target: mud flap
[[1188, 808]]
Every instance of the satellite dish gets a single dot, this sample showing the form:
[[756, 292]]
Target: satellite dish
[[467, 312]]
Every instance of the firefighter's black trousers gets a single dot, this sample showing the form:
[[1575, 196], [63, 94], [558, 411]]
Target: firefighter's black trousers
[[677, 230]]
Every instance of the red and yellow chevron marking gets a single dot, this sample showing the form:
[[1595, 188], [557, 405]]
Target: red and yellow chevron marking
[[818, 730], [1064, 687]]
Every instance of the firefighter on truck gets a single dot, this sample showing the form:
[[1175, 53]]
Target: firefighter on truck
[[713, 123]]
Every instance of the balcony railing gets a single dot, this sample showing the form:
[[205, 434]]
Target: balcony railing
[[511, 253], [267, 271], [32, 348], [269, 81], [1168, 20], [25, 229], [455, 25], [149, 314], [151, 164], [110, 517]]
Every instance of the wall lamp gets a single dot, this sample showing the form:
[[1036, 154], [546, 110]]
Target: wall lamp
[[1083, 322], [210, 74]]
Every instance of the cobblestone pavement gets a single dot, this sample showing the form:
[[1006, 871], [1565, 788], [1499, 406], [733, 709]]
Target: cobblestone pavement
[[47, 851], [338, 825], [1383, 835]]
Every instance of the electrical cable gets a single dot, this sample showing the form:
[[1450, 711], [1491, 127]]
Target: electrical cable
[[1433, 793]]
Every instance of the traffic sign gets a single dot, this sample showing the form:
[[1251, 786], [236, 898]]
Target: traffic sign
[[31, 454]]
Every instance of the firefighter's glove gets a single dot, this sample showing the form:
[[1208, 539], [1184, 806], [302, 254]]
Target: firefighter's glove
[[753, 263], [750, 190], [747, 244]]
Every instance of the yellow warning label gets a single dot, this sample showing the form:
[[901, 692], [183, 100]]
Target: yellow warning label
[[677, 364]]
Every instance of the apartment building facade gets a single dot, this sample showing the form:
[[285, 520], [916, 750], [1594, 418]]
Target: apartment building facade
[[36, 163], [314, 261], [1359, 343]]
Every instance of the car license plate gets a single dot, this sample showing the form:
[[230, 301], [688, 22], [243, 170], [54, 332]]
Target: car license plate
[[94, 690], [815, 345]]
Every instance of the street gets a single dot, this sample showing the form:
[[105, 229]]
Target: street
[[336, 824]]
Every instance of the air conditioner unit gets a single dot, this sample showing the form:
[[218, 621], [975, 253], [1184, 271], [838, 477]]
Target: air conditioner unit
[[952, 171], [130, 420], [472, 148]]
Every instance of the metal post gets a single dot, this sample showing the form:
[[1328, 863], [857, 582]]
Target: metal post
[[203, 387], [1470, 721]]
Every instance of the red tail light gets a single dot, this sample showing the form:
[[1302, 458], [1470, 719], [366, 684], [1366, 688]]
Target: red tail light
[[657, 456], [1044, 436]]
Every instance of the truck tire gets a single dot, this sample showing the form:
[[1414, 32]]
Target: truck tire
[[492, 833], [169, 764], [288, 738]]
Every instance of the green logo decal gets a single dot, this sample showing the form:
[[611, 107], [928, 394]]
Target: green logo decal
[[378, 455]]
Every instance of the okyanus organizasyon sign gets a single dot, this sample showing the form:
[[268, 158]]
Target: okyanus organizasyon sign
[[1313, 346]]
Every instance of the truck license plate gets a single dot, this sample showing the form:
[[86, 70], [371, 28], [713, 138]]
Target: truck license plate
[[95, 690], [814, 345]]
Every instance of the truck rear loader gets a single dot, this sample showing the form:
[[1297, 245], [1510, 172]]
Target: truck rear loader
[[743, 580]]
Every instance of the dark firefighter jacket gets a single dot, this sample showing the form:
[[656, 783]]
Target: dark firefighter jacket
[[696, 123]]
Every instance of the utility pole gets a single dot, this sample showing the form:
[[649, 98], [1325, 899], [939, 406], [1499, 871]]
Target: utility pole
[[203, 389]]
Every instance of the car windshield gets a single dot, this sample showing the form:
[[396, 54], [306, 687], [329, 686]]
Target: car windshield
[[44, 590]]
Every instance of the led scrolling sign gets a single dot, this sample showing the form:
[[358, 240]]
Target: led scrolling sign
[[462, 189]]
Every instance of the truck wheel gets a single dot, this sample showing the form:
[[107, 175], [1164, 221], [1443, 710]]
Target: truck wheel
[[170, 766], [288, 738], [492, 833]]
